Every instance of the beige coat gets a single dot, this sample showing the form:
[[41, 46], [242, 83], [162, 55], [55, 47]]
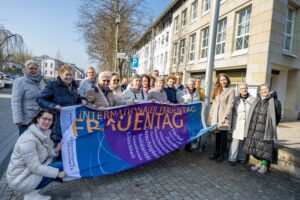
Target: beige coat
[[222, 109], [29, 160], [96, 98]]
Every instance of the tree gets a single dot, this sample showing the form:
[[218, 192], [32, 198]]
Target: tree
[[98, 27], [22, 55], [9, 44]]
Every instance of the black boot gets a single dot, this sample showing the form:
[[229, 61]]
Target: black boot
[[220, 158], [214, 156]]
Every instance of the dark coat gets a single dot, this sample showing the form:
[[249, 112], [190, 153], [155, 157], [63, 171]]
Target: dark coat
[[261, 134], [172, 94], [58, 93]]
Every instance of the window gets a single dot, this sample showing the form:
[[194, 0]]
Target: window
[[206, 6], [51, 65], [166, 59], [158, 43], [46, 72], [46, 64], [183, 18], [161, 59], [51, 72], [289, 29], [181, 51], [176, 23], [221, 36], [167, 38], [243, 26], [175, 53], [204, 42], [192, 47], [163, 40], [194, 10]]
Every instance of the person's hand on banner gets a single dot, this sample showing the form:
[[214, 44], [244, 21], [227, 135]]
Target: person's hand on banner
[[135, 101], [58, 147], [61, 174], [58, 107], [101, 108]]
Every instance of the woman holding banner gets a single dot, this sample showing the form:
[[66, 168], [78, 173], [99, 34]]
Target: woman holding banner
[[221, 113], [30, 168]]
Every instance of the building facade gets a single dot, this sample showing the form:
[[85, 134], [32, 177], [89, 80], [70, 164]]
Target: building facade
[[258, 41]]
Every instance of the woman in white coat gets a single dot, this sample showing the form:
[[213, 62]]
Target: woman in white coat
[[30, 168], [242, 104], [135, 93]]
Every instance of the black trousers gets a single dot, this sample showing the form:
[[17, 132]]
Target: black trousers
[[221, 142]]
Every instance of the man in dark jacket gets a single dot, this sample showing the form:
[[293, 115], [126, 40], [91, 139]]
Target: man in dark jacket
[[170, 89]]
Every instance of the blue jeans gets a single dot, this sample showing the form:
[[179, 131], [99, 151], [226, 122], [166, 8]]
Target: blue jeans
[[22, 129], [46, 180]]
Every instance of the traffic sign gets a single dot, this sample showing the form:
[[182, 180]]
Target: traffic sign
[[135, 62]]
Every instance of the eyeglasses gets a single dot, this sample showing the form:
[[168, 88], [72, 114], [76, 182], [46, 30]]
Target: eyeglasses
[[46, 119], [105, 80], [116, 80], [33, 68]]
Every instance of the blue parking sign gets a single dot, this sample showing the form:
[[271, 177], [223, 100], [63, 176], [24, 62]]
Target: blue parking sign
[[135, 63]]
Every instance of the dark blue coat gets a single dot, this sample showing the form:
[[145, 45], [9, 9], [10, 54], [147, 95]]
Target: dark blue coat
[[58, 93], [171, 94]]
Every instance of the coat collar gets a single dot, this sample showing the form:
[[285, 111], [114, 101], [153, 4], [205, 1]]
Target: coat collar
[[61, 83], [37, 132]]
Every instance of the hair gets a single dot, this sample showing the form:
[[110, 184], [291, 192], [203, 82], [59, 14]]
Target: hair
[[40, 114], [218, 88], [29, 62], [160, 78], [178, 74], [104, 74], [155, 71], [65, 68], [147, 77], [171, 77], [191, 80], [242, 84], [114, 73], [264, 85], [90, 68]]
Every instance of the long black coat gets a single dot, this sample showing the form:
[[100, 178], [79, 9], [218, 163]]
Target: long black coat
[[58, 93], [255, 143]]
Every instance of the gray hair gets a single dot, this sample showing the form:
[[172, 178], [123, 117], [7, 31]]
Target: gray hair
[[160, 78], [104, 74], [191, 80], [90, 68], [264, 85], [243, 84], [29, 62]]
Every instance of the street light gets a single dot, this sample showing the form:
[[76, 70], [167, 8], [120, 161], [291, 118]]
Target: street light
[[117, 33]]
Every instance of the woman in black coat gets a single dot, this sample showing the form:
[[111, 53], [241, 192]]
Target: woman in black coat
[[264, 116], [59, 93]]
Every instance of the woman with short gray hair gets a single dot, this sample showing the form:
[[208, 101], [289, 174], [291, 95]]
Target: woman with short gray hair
[[158, 94], [24, 93]]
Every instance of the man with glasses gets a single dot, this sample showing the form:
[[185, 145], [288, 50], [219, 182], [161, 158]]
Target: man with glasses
[[101, 96], [87, 83]]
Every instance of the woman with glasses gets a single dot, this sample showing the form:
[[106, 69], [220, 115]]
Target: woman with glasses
[[30, 168], [24, 93], [59, 93], [116, 88], [101, 96], [146, 83], [135, 93]]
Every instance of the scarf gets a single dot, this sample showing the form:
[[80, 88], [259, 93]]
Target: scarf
[[35, 79]]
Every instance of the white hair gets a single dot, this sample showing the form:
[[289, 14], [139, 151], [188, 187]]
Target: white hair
[[29, 62], [104, 74]]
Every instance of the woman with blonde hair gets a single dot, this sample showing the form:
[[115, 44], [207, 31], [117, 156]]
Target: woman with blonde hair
[[221, 113], [59, 93]]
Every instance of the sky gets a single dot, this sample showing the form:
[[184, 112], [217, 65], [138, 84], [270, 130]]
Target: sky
[[48, 27]]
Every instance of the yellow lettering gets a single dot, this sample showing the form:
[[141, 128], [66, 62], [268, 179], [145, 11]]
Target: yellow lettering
[[174, 121]]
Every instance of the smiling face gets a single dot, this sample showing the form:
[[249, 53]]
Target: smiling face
[[136, 83], [198, 83], [191, 86], [115, 81], [104, 81], [243, 90], [32, 69], [45, 121], [67, 77], [160, 85], [171, 83], [223, 81], [264, 91], [178, 80], [145, 82], [91, 74]]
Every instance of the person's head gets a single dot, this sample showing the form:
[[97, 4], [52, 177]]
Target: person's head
[[198, 83], [45, 119], [66, 73], [171, 81], [160, 83], [145, 81], [91, 73], [152, 81], [264, 90], [115, 81], [191, 84], [243, 88], [222, 82], [178, 78], [104, 79], [155, 73], [136, 82], [31, 68]]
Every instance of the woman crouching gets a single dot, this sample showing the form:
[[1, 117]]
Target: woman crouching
[[30, 167]]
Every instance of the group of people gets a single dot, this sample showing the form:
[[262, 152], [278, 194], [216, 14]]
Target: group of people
[[36, 110]]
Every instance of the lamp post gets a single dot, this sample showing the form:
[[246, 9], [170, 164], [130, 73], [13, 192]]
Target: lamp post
[[117, 33]]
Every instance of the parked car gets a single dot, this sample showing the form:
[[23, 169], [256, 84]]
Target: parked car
[[2, 80], [8, 80]]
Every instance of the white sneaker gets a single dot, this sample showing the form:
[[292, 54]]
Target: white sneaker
[[35, 195], [256, 167], [263, 170]]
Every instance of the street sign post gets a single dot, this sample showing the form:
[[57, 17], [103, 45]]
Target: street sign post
[[135, 63], [122, 55]]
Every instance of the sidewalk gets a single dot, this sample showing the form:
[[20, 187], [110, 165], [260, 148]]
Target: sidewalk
[[179, 175]]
